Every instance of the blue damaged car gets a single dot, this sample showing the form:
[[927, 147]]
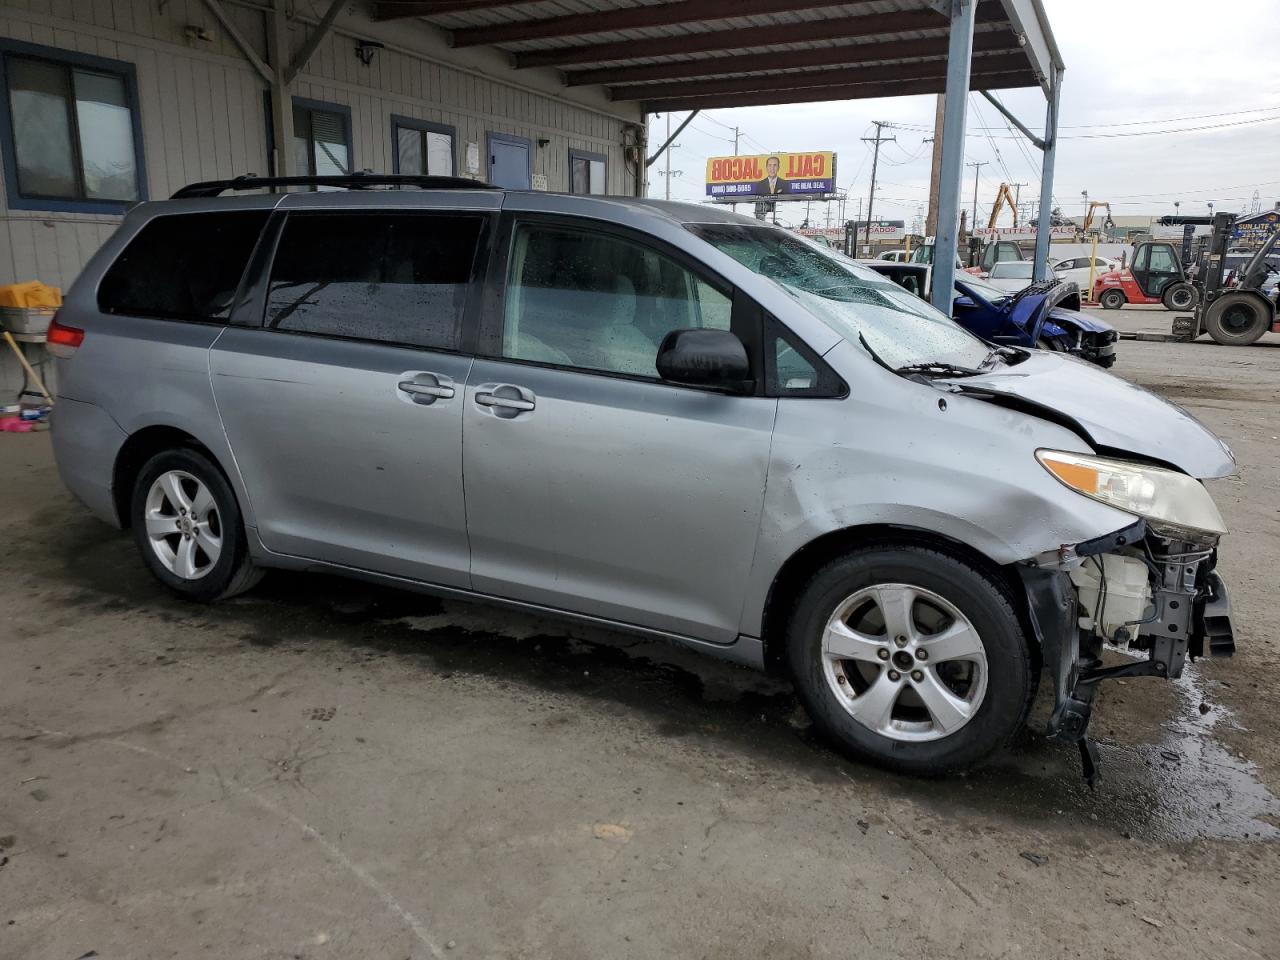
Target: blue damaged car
[[1045, 314]]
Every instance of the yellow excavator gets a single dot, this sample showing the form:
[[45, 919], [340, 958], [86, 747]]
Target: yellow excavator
[[1003, 196], [1107, 224]]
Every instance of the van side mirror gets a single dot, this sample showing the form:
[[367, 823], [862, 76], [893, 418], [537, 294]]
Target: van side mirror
[[705, 358]]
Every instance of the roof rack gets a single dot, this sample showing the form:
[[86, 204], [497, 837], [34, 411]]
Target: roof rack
[[352, 181]]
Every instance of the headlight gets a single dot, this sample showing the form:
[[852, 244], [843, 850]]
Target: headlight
[[1173, 504]]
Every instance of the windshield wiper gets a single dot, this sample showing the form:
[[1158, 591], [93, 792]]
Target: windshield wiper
[[939, 368], [874, 356]]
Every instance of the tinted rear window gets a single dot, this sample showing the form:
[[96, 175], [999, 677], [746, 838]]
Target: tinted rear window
[[184, 267], [389, 277]]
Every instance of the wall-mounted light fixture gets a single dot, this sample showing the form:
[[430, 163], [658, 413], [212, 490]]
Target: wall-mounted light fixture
[[365, 49], [544, 142]]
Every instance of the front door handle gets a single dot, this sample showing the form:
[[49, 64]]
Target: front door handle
[[426, 388], [504, 400], [506, 403]]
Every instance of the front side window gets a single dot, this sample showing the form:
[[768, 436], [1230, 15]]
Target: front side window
[[860, 305], [599, 302], [422, 148], [1162, 260], [586, 172], [386, 277], [321, 140], [182, 267], [73, 131]]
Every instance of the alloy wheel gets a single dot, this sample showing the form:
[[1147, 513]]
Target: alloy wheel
[[183, 525], [904, 662]]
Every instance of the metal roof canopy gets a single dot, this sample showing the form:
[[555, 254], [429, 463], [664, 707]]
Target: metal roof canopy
[[677, 55]]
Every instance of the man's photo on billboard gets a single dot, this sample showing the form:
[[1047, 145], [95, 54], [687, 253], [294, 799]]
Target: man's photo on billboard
[[772, 184]]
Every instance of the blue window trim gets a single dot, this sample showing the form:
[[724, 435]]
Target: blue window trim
[[491, 138], [339, 108], [427, 126], [576, 154], [70, 58]]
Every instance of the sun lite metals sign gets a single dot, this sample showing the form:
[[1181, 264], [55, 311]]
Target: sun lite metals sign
[[772, 175]]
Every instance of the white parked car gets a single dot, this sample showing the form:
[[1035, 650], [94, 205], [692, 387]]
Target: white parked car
[[895, 256], [1011, 275], [1077, 269]]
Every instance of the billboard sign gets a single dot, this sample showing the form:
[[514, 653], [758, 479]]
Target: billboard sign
[[775, 175], [1254, 231], [1027, 232], [882, 231]]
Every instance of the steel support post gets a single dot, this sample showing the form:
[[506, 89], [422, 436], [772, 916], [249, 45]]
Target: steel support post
[[1041, 268], [955, 109]]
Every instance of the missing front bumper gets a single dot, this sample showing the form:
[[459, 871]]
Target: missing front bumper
[[1190, 614]]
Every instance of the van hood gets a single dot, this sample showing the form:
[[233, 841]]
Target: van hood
[[1111, 413]]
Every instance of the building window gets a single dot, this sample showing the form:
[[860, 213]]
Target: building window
[[421, 147], [586, 172], [71, 131], [321, 138]]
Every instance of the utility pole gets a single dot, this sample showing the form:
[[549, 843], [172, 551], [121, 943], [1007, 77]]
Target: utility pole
[[668, 155], [875, 160], [977, 165], [735, 141], [1017, 195], [935, 172], [666, 149]]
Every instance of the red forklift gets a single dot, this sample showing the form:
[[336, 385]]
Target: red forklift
[[1154, 276]]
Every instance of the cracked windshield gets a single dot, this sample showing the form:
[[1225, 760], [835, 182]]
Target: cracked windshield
[[899, 329]]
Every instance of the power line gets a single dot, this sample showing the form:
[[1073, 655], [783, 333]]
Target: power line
[[1134, 133], [1135, 123]]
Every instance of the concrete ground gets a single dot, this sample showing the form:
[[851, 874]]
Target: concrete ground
[[320, 769]]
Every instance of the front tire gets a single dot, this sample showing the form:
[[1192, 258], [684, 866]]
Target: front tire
[[1238, 319], [910, 659], [1113, 299], [1179, 296], [187, 526]]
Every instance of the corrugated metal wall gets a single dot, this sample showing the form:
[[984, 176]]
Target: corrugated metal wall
[[203, 113]]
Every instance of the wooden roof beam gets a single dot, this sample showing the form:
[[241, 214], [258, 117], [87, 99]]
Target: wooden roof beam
[[636, 18], [400, 9], [714, 41], [843, 76], [857, 91], [996, 41]]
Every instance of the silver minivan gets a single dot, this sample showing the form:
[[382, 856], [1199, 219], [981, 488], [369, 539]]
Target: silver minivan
[[656, 416]]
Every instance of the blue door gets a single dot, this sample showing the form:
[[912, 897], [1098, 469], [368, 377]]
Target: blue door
[[509, 164]]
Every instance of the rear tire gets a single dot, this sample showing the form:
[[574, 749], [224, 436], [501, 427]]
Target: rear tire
[[1179, 296], [1053, 346], [187, 526], [1238, 319], [885, 702], [1113, 299]]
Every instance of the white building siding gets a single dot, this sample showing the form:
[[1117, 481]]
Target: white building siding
[[204, 117]]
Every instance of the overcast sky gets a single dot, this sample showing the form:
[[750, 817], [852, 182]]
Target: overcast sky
[[1133, 66]]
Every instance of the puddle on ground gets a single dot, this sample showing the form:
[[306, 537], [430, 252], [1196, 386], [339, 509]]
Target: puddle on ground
[[1187, 786]]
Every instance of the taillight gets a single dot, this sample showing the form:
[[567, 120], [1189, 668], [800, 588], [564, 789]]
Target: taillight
[[61, 340]]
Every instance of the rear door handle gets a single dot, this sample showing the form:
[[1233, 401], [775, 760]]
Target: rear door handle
[[505, 400], [426, 388]]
